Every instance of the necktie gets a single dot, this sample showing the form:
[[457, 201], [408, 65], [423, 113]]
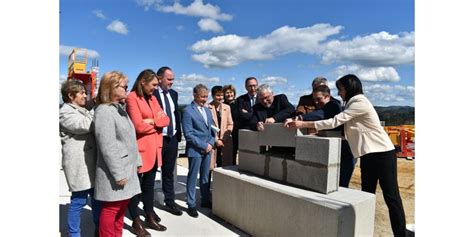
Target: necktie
[[252, 101], [168, 112], [203, 113]]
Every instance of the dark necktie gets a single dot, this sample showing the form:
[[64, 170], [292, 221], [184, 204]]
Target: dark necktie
[[168, 112]]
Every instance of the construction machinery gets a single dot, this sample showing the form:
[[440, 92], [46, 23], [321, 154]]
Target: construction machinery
[[403, 138], [77, 63]]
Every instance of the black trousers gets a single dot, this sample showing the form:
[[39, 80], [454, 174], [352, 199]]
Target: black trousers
[[347, 164], [147, 184], [169, 153], [382, 166]]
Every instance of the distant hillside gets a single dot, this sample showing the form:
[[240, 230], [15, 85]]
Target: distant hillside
[[396, 115], [392, 115]]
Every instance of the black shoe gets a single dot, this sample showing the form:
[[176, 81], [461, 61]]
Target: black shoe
[[207, 205], [193, 212], [173, 209]]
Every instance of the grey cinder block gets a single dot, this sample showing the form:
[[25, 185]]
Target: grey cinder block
[[275, 134], [321, 150], [249, 140]]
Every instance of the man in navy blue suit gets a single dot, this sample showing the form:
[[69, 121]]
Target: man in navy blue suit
[[246, 102], [200, 139], [168, 99]]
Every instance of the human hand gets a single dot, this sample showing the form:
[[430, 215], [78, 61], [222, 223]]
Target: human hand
[[219, 143], [161, 114], [270, 120], [244, 111], [149, 121], [293, 124], [260, 126], [209, 148], [122, 182]]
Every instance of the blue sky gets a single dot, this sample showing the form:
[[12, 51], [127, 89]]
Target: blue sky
[[281, 42]]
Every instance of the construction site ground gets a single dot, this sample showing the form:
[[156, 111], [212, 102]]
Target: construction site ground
[[406, 182]]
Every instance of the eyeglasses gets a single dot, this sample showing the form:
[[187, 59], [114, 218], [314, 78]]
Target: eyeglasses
[[252, 85], [124, 87]]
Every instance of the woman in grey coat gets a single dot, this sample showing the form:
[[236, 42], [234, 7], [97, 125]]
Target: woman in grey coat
[[78, 153], [118, 159]]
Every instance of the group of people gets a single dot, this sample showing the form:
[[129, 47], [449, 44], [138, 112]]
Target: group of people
[[113, 151]]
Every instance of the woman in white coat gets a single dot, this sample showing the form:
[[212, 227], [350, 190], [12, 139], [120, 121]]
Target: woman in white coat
[[369, 141], [78, 153]]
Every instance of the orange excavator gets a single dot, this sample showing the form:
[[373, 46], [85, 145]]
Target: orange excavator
[[403, 138], [77, 63]]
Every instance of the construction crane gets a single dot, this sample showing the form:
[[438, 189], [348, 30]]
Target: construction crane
[[403, 138], [77, 63]]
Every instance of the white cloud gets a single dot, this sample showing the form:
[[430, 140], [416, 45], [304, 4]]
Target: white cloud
[[185, 84], [198, 78], [65, 50], [99, 14], [196, 9], [230, 50], [118, 27], [378, 49], [369, 73], [148, 3], [210, 25], [273, 81], [180, 28], [383, 94]]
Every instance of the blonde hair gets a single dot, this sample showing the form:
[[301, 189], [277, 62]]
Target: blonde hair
[[108, 82]]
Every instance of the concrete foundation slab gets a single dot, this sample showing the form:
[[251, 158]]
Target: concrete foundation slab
[[265, 208]]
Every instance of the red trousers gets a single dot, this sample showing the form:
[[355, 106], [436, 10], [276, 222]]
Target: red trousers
[[111, 218]]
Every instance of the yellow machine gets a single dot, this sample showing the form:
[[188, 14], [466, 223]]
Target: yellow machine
[[77, 63]]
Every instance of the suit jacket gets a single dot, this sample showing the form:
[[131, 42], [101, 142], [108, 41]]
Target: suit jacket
[[361, 126], [117, 154], [196, 132], [225, 134], [177, 115], [243, 103], [149, 137], [280, 110], [79, 153]]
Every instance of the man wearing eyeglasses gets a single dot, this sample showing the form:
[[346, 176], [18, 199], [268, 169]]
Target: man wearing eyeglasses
[[246, 102]]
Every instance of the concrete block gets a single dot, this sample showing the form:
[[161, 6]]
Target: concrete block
[[264, 208], [319, 178], [249, 140], [313, 176], [252, 162], [321, 150], [275, 134]]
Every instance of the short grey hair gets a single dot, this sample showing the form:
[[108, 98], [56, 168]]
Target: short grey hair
[[264, 87], [198, 88], [319, 80]]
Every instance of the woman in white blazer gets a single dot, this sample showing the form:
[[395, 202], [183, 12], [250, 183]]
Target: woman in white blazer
[[78, 153], [369, 141]]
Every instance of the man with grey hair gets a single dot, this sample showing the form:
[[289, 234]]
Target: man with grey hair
[[270, 108], [200, 139], [307, 103]]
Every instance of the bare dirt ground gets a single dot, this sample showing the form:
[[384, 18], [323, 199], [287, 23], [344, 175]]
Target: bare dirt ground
[[406, 182]]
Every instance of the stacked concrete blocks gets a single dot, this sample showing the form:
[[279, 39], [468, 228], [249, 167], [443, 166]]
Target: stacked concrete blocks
[[316, 164]]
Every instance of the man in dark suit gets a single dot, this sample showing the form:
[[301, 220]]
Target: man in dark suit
[[270, 108], [307, 103], [168, 99], [246, 102], [200, 139], [327, 108]]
